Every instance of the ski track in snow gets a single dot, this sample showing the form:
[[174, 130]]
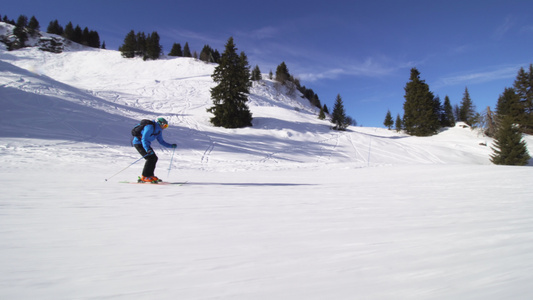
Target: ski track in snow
[[286, 209]]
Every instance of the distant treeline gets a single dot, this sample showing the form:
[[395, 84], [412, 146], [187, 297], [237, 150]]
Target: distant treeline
[[25, 28], [148, 47]]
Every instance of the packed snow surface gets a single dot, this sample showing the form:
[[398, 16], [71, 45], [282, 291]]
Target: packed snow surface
[[286, 209]]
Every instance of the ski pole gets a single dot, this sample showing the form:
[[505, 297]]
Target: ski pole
[[128, 166], [170, 166]]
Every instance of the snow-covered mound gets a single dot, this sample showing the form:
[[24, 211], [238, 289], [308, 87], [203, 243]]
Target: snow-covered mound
[[286, 209]]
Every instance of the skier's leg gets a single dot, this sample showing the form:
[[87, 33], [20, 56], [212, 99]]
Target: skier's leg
[[150, 163], [149, 166]]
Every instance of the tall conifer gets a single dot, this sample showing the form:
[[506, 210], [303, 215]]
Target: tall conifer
[[176, 50], [338, 116], [467, 111], [509, 105], [420, 116], [282, 73], [509, 148], [388, 120], [153, 48], [256, 74], [186, 50], [33, 26], [523, 86], [129, 47], [398, 124], [231, 94], [448, 119]]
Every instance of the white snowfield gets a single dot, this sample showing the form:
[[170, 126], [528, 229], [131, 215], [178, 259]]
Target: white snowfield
[[286, 209]]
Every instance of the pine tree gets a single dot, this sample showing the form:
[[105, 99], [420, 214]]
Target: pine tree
[[153, 48], [388, 120], [398, 124], [420, 116], [186, 50], [467, 112], [20, 32], [447, 117], [93, 39], [55, 28], [216, 56], [321, 114], [326, 109], [68, 33], [22, 21], [282, 73], [509, 148], [78, 33], [456, 112], [438, 109], [33, 26], [509, 105], [256, 74], [231, 93], [523, 86], [338, 117], [140, 44], [176, 50], [85, 37], [129, 47], [207, 54]]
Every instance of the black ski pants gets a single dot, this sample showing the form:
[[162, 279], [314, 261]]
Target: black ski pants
[[151, 161]]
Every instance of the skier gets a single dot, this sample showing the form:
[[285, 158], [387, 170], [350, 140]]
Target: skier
[[150, 132]]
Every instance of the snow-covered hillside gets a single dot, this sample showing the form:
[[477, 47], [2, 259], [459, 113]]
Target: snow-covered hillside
[[286, 209], [97, 96]]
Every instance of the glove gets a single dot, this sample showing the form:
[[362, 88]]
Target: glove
[[150, 152], [174, 146]]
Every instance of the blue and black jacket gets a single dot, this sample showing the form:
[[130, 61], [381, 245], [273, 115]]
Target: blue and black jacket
[[149, 134]]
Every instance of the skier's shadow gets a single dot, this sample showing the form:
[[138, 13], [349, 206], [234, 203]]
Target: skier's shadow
[[273, 184]]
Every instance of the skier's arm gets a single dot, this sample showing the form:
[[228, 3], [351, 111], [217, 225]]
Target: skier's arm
[[162, 141]]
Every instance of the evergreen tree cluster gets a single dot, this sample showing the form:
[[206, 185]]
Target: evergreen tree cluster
[[76, 34], [178, 52], [285, 78], [339, 118], [514, 116], [424, 113], [210, 55], [23, 27], [231, 93], [141, 45]]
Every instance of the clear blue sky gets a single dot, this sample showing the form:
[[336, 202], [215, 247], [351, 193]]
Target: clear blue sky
[[362, 50]]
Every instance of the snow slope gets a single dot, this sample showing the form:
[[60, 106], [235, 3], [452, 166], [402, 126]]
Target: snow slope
[[286, 209]]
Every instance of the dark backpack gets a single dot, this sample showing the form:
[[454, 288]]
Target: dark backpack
[[137, 130]]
